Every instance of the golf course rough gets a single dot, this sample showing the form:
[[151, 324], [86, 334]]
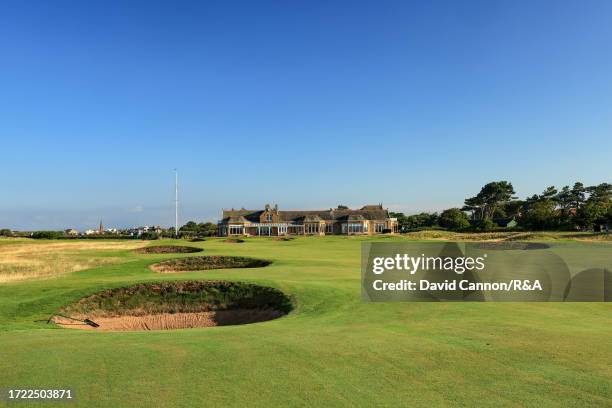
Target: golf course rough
[[168, 249], [199, 263], [332, 350]]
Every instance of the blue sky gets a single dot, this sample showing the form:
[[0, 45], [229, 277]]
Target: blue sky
[[304, 104]]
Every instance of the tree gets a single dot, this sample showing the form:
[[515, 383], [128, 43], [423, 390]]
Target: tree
[[5, 232], [486, 225], [570, 200], [512, 209], [421, 220], [593, 213], [190, 226], [207, 229], [149, 236], [453, 218], [597, 208], [600, 193], [491, 197], [577, 194], [47, 234], [540, 211], [549, 194], [538, 214], [342, 207]]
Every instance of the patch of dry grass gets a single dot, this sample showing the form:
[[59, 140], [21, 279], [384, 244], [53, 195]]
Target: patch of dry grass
[[200, 263], [507, 236], [460, 236], [26, 259]]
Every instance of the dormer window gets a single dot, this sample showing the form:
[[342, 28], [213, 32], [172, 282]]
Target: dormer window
[[269, 217]]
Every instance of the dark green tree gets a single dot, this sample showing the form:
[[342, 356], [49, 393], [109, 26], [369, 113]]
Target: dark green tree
[[453, 218], [190, 226], [600, 193], [421, 220], [47, 234], [207, 229], [492, 196], [596, 208], [539, 212]]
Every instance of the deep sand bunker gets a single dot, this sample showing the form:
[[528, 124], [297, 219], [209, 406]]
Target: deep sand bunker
[[200, 263], [168, 249], [177, 305]]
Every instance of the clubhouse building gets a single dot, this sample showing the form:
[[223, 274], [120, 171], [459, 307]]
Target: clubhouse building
[[369, 220]]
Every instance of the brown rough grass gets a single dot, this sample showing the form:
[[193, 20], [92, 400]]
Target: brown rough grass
[[27, 259], [436, 235], [168, 249], [200, 263]]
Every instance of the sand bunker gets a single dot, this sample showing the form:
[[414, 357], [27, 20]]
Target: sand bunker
[[176, 305], [199, 263], [168, 249], [173, 321], [509, 245]]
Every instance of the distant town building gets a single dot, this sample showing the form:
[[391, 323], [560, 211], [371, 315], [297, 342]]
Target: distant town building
[[138, 231], [71, 232]]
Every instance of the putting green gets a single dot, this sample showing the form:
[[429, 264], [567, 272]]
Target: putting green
[[332, 349]]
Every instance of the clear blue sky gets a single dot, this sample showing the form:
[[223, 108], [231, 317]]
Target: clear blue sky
[[304, 104]]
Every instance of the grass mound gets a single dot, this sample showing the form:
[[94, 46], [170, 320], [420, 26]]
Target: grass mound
[[197, 240], [234, 240], [172, 305], [512, 245], [199, 263], [168, 249], [282, 239]]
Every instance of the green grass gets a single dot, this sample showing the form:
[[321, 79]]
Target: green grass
[[331, 350]]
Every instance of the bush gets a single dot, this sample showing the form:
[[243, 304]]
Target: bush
[[47, 235], [453, 218], [6, 232], [486, 225], [149, 236]]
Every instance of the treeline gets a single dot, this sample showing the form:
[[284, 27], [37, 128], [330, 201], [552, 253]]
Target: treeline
[[46, 234], [203, 229], [63, 235], [190, 230], [578, 207]]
